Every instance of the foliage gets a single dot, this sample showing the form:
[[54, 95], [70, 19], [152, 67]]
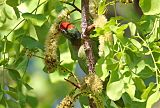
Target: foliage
[[127, 64]]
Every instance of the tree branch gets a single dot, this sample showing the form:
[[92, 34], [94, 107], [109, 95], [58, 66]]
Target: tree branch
[[85, 36], [87, 42]]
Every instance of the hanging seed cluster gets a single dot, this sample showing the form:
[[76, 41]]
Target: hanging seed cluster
[[67, 102], [51, 43], [94, 83]]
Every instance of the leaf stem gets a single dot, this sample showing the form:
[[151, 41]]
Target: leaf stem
[[72, 4], [37, 6], [76, 85], [154, 61], [4, 57], [15, 27]]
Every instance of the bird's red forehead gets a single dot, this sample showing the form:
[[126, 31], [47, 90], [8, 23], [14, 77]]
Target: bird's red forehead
[[66, 25]]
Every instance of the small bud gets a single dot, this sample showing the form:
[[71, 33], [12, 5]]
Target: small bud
[[67, 102], [94, 83]]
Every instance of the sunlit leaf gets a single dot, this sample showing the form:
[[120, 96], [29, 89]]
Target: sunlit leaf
[[153, 98], [38, 19], [147, 91], [102, 8], [7, 13], [136, 43], [150, 7], [132, 28], [115, 90]]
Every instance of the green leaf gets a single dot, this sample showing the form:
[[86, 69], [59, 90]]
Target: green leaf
[[139, 83], [3, 62], [16, 12], [21, 62], [147, 91], [130, 89], [27, 86], [12, 104], [102, 8], [1, 45], [115, 90], [35, 19], [12, 94], [7, 12], [74, 52], [42, 32], [9, 45], [150, 7], [153, 98], [14, 74], [32, 101], [22, 99], [13, 3], [2, 1], [31, 43], [136, 43], [101, 68], [132, 28], [1, 96], [2, 106], [146, 72]]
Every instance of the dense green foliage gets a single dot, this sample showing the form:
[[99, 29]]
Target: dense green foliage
[[127, 63]]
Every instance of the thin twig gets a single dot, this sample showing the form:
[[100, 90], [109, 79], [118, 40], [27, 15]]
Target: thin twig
[[37, 6], [15, 27], [38, 56], [73, 5], [71, 73], [76, 85], [74, 1]]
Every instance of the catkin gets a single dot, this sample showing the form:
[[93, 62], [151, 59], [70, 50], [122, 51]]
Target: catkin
[[51, 43], [94, 83], [67, 102]]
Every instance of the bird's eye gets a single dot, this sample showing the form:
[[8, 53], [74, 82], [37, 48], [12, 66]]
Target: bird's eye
[[64, 31]]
